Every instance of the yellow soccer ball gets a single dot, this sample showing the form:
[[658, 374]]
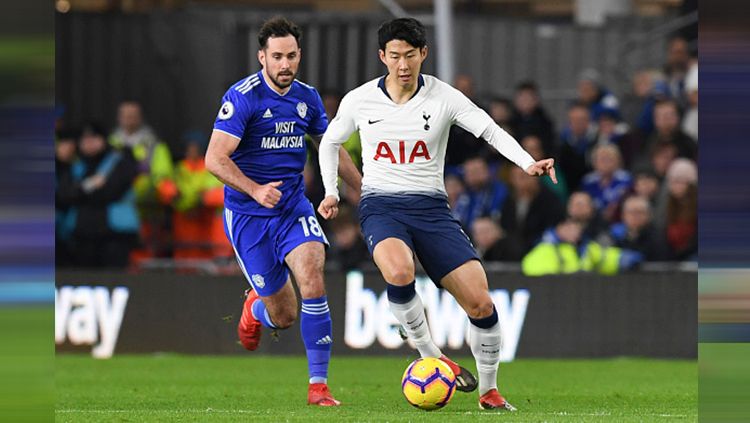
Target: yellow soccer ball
[[428, 383]]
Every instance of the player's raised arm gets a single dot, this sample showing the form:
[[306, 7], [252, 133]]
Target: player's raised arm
[[339, 130], [219, 163], [475, 120]]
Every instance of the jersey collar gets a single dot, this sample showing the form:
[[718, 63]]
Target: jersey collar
[[381, 85]]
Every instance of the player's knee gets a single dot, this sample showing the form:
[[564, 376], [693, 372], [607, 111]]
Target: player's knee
[[400, 275], [313, 286], [285, 319], [479, 309]]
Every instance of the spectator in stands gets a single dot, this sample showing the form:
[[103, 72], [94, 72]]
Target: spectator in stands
[[649, 87], [646, 184], [483, 195], [667, 138], [155, 168], [454, 187], [638, 97], [594, 95], [348, 250], [465, 84], [65, 156], [530, 118], [608, 183], [533, 145], [633, 143], [578, 137], [564, 249], [529, 210], [679, 210], [667, 130], [501, 111], [636, 231], [676, 67], [661, 157], [690, 120], [581, 209], [197, 199], [99, 193], [490, 241], [610, 127]]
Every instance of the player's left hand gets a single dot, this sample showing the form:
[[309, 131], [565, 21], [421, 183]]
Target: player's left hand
[[543, 167], [329, 207]]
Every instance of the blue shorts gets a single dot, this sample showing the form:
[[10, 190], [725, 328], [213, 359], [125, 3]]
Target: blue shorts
[[424, 223], [262, 242]]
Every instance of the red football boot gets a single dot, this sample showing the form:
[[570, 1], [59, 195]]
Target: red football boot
[[493, 400], [465, 381], [249, 327], [318, 394]]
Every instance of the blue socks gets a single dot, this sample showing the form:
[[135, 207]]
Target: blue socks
[[315, 325], [260, 312]]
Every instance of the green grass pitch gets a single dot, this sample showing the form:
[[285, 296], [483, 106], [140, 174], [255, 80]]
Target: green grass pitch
[[264, 388]]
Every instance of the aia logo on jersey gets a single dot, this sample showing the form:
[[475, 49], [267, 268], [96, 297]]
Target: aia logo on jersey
[[384, 152]]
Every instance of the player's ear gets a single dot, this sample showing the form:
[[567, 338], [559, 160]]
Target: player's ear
[[261, 56], [423, 52], [381, 54]]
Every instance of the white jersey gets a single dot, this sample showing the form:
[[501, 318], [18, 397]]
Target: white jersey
[[403, 145]]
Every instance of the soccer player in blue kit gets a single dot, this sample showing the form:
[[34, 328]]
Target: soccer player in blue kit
[[403, 119], [257, 150]]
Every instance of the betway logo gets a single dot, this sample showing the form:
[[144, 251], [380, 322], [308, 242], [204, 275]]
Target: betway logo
[[86, 315], [368, 317]]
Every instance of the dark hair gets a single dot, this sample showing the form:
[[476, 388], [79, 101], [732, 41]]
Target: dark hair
[[502, 100], [683, 209], [527, 85], [278, 26], [578, 105], [406, 29], [67, 134], [93, 128], [668, 102]]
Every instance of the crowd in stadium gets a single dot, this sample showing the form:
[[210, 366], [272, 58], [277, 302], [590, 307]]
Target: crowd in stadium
[[626, 165]]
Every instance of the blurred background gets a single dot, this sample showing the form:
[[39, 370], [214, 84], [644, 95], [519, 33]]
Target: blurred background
[[609, 88]]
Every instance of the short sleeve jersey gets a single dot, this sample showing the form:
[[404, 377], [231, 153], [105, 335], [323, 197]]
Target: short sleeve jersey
[[403, 145], [271, 128]]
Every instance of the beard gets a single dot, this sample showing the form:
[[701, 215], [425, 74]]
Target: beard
[[282, 85]]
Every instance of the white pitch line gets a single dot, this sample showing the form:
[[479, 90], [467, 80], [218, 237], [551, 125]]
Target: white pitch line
[[220, 411], [209, 410]]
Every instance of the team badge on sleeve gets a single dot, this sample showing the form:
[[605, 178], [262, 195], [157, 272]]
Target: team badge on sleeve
[[258, 280], [302, 109], [227, 110]]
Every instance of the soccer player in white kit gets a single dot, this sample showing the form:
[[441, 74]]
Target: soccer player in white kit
[[403, 120]]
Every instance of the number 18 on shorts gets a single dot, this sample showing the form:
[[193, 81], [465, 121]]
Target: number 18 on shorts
[[262, 242]]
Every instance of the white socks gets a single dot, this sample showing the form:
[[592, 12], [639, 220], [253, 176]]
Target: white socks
[[485, 345], [412, 318]]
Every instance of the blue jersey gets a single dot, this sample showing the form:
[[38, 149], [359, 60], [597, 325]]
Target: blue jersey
[[271, 128]]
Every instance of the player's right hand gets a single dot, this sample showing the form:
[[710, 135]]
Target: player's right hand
[[267, 195], [329, 207]]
